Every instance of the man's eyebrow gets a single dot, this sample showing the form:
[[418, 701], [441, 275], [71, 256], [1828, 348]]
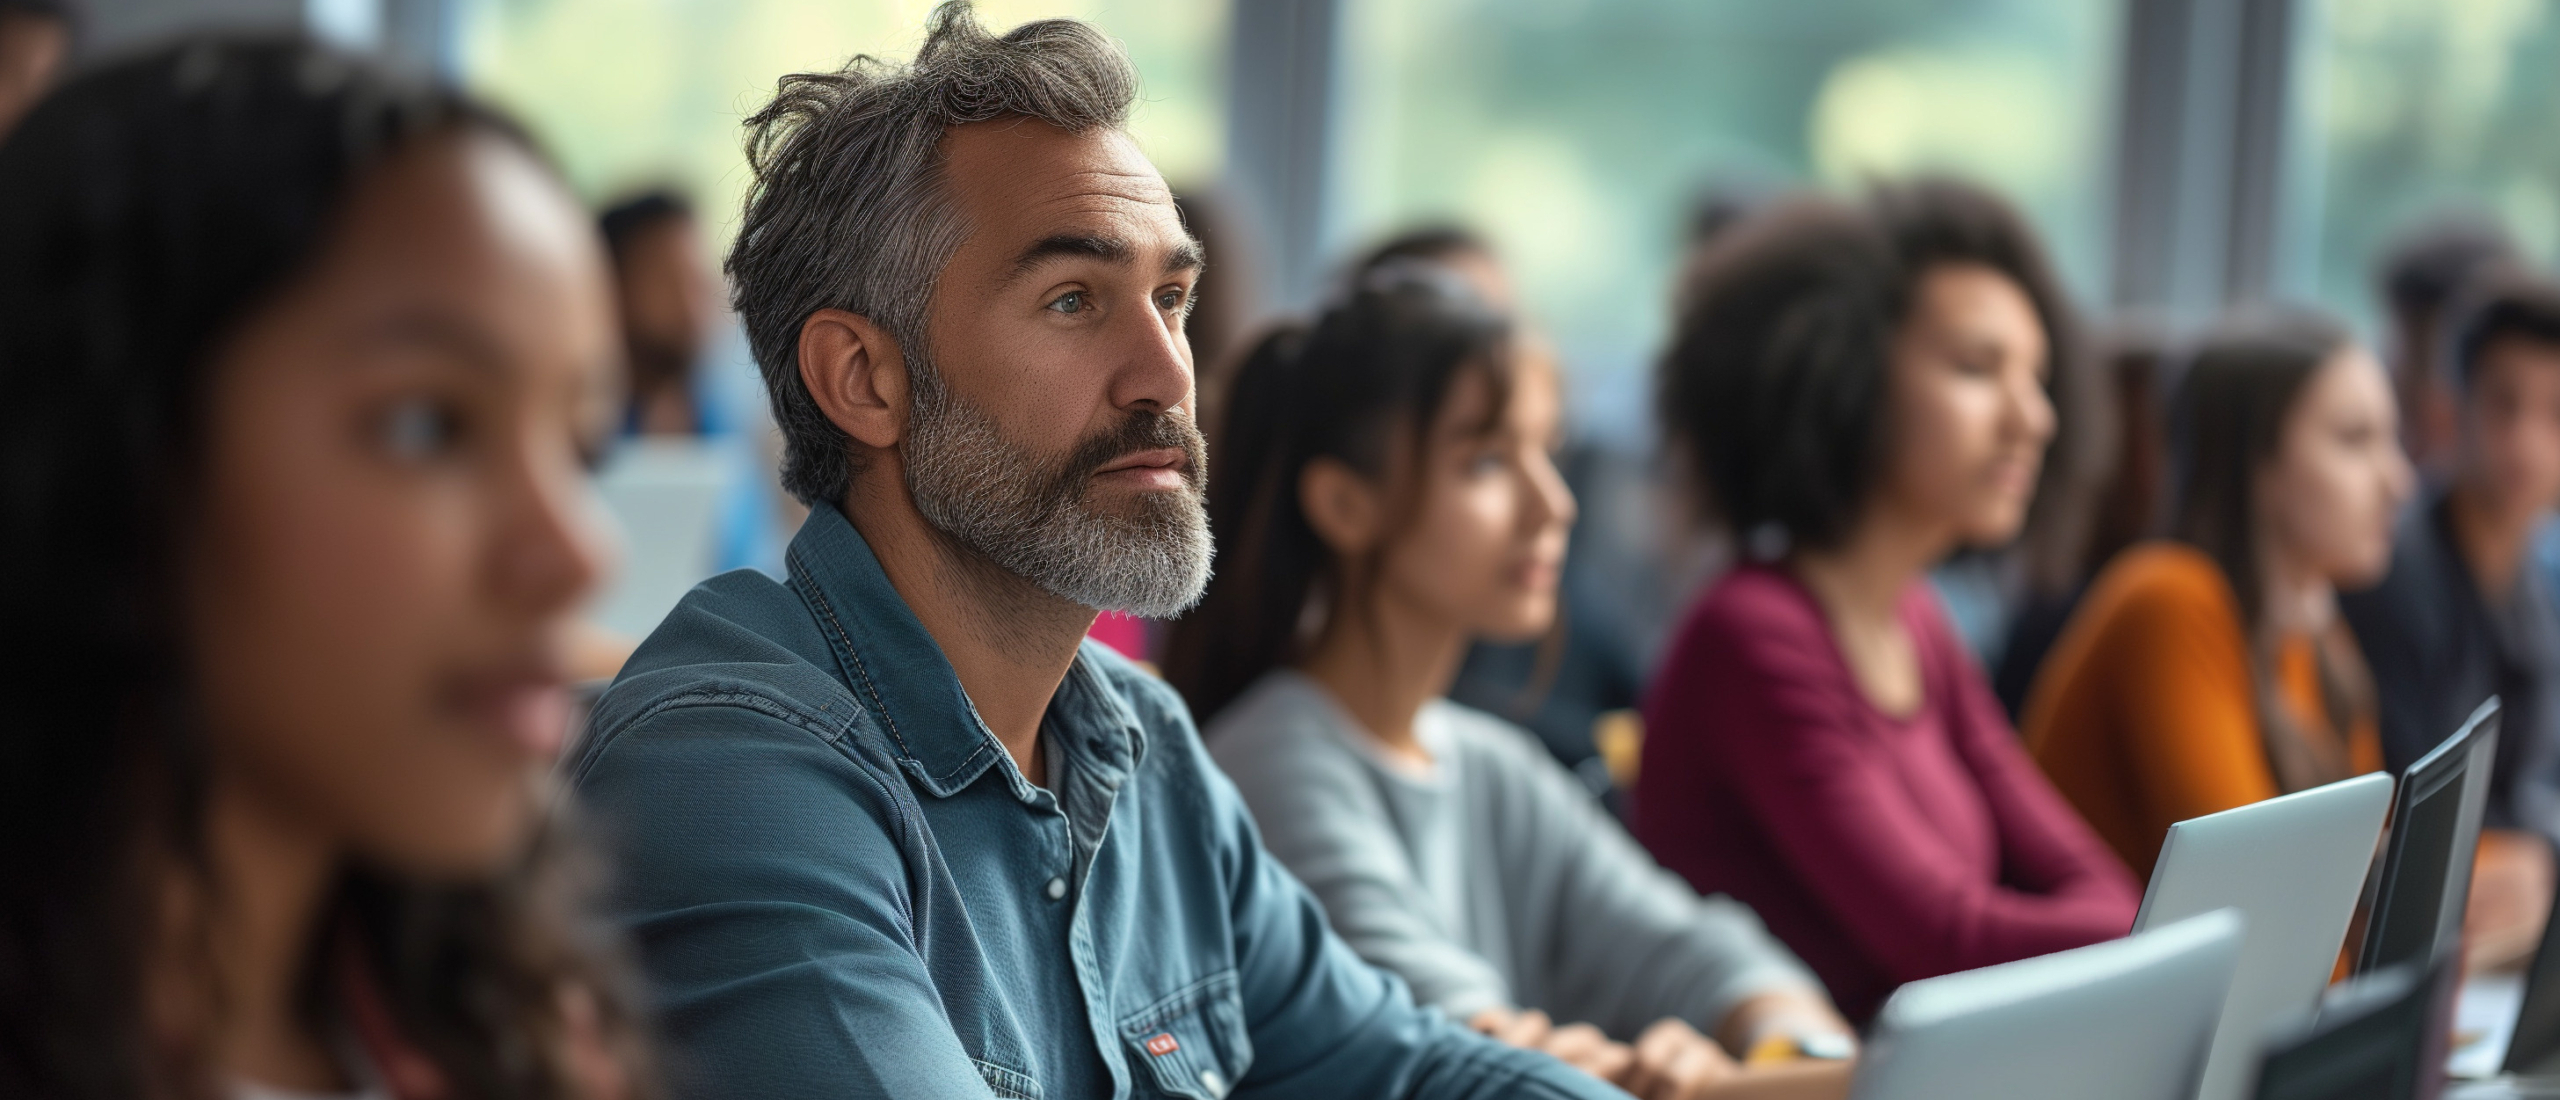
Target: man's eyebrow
[[1187, 256], [1064, 245]]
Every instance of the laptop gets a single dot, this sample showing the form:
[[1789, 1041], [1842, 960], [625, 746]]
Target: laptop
[[2295, 866], [2531, 1065], [2425, 880], [2369, 1042], [2533, 1050], [2128, 1019]]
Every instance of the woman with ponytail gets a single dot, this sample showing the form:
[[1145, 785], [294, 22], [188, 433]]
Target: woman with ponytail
[[1383, 498]]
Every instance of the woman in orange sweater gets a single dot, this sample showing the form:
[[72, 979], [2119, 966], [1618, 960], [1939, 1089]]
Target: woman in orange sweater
[[2212, 671]]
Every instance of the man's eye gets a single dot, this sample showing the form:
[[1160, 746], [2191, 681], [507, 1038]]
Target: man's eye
[[420, 429], [1069, 302], [1170, 300]]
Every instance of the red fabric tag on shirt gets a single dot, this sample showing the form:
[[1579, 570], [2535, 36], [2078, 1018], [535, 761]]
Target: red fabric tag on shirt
[[1163, 1044]]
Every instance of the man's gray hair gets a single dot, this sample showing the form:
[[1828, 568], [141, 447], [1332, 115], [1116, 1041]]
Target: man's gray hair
[[849, 210]]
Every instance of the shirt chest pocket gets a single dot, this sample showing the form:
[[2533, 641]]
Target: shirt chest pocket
[[1190, 1044]]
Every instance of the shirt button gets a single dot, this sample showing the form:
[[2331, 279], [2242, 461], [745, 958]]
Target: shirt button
[[1057, 888]]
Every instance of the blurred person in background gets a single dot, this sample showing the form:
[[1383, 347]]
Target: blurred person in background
[[1720, 205], [1989, 590], [1560, 683], [35, 47], [1862, 390], [1461, 251], [670, 304], [2461, 616], [2211, 671], [2127, 501], [1390, 465], [896, 829], [305, 363], [2421, 277], [669, 297], [678, 336]]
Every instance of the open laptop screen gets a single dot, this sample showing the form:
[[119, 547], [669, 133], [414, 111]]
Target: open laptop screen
[[2409, 916], [2438, 812], [2369, 1042]]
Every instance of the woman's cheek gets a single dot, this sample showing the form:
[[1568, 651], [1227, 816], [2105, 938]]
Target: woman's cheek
[[1463, 547]]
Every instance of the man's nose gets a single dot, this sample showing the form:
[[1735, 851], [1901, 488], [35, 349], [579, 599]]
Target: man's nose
[[1155, 368]]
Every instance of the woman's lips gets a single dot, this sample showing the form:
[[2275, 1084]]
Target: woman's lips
[[2014, 476], [529, 713]]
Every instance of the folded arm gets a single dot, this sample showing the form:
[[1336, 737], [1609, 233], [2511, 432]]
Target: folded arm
[[1840, 815]]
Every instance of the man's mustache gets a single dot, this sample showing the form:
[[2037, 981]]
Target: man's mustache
[[1142, 431]]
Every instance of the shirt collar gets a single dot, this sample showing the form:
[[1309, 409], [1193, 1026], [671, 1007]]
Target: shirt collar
[[893, 664]]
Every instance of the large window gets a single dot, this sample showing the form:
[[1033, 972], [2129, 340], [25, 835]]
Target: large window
[[2421, 107], [646, 92], [1577, 132]]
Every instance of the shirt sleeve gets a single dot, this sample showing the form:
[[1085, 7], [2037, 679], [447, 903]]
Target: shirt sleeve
[[1632, 942], [1840, 815], [2045, 845], [1324, 818], [2181, 681], [1324, 1024], [761, 881]]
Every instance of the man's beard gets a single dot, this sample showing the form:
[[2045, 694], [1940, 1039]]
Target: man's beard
[[1033, 517]]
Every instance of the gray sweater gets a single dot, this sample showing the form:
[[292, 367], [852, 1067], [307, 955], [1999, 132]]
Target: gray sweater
[[1492, 879]]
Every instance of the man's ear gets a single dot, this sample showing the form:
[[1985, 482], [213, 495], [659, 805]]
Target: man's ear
[[857, 375], [1341, 505]]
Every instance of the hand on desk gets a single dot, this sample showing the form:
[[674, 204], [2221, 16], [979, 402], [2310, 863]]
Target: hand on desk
[[2511, 884], [1581, 1046], [1670, 1061]]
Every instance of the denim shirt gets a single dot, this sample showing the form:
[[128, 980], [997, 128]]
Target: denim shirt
[[839, 884]]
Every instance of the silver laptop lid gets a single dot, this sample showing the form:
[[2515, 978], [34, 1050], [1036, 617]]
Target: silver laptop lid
[[2128, 1019], [2295, 867]]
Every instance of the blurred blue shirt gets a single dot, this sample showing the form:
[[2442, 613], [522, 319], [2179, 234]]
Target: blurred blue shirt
[[840, 885]]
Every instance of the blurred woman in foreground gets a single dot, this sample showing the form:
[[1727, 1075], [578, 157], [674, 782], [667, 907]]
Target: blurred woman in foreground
[[1860, 391], [302, 365], [1387, 498], [2212, 671]]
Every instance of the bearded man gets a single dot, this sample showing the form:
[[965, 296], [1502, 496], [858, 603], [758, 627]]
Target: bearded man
[[889, 829]]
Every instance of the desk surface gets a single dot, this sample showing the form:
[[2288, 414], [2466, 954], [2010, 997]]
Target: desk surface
[[2484, 1018]]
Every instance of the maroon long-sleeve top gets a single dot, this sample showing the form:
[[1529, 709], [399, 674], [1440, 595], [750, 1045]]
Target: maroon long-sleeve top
[[1882, 849]]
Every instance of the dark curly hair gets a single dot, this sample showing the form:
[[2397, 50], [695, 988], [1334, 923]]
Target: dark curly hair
[[1773, 390], [147, 209]]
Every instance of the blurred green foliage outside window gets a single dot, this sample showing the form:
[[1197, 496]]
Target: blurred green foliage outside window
[[1578, 132], [2418, 107], [633, 93]]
